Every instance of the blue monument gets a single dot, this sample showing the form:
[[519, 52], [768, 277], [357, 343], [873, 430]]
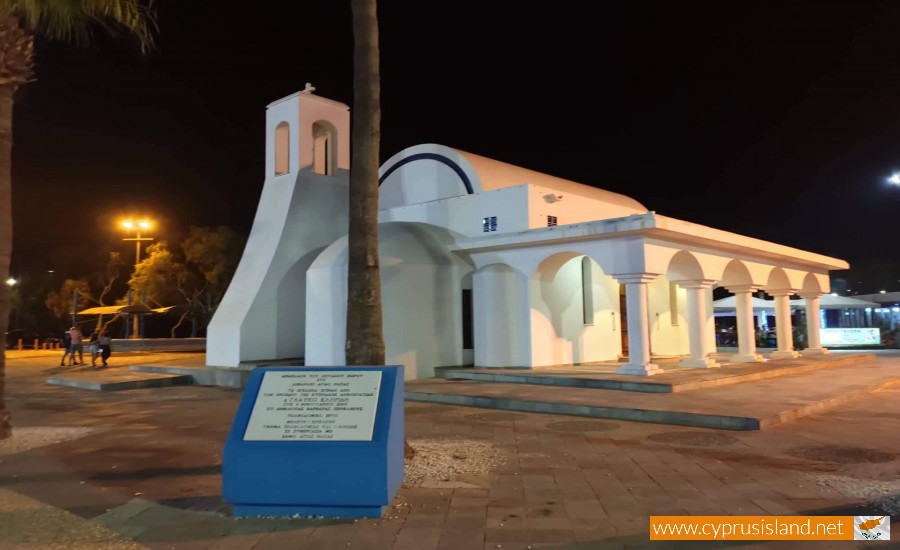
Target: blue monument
[[316, 441]]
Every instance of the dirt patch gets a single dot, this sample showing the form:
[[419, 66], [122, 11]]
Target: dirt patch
[[25, 439], [447, 460]]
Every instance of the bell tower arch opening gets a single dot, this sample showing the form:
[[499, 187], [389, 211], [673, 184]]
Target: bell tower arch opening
[[282, 148], [323, 142]]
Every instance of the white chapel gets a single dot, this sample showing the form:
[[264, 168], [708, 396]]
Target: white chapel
[[488, 264]]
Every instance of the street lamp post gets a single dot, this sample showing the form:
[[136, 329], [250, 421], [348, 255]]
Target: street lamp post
[[137, 227], [11, 283]]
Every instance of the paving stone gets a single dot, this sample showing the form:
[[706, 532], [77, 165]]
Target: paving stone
[[601, 487]]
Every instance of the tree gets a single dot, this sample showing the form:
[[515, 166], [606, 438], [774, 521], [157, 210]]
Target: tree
[[105, 280], [60, 302], [365, 333], [215, 253], [71, 21], [166, 281]]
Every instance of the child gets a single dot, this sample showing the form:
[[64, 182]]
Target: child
[[94, 347]]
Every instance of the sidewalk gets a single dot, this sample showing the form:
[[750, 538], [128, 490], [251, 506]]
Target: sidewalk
[[142, 470]]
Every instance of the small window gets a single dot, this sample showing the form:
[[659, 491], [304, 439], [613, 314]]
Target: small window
[[673, 303], [489, 224], [587, 292], [551, 221]]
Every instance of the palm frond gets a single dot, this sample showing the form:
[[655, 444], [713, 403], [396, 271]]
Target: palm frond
[[74, 20]]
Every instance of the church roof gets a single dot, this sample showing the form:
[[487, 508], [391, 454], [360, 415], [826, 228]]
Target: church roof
[[475, 174]]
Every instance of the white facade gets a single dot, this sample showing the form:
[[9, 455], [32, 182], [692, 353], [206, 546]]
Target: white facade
[[540, 271]]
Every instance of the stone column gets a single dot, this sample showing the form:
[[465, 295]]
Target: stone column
[[813, 339], [783, 331], [638, 325], [743, 301], [697, 317]]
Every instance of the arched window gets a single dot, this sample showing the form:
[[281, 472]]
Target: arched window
[[324, 136], [282, 148], [673, 302], [587, 291]]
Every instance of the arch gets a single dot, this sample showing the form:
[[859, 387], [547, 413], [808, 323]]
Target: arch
[[684, 267], [574, 311], [324, 147], [778, 280], [811, 285], [282, 148], [422, 285], [464, 178], [736, 274]]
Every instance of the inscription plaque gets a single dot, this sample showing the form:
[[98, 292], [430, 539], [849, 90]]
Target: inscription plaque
[[334, 405]]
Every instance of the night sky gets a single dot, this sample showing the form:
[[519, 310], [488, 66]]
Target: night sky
[[777, 120]]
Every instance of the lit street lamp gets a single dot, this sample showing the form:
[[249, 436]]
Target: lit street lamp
[[14, 299], [137, 227], [894, 179]]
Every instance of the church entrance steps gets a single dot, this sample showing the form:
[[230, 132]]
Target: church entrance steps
[[754, 405], [674, 379], [104, 380]]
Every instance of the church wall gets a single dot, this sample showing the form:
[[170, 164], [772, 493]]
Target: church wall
[[667, 338], [465, 214], [421, 285], [501, 317], [567, 208], [560, 333], [262, 313]]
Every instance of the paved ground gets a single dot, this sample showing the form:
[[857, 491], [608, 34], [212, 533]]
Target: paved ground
[[146, 474]]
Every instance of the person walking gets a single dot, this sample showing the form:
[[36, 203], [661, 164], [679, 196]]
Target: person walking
[[94, 347], [105, 347], [77, 345], [67, 348]]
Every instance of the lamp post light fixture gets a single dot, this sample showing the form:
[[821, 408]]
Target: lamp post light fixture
[[894, 179], [137, 226], [11, 281]]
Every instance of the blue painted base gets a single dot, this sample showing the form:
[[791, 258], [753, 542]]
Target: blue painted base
[[250, 510], [355, 479]]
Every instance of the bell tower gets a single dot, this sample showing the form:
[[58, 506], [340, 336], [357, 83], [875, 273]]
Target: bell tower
[[302, 210]]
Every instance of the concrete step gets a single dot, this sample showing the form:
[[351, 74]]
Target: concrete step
[[118, 380], [674, 379], [202, 375], [752, 406]]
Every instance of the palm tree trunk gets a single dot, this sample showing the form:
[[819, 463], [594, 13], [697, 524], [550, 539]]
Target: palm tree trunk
[[6, 113], [365, 337]]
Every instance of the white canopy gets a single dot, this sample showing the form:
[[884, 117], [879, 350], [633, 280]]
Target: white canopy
[[758, 304], [838, 302]]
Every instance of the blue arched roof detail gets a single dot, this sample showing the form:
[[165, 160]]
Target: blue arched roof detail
[[430, 156]]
